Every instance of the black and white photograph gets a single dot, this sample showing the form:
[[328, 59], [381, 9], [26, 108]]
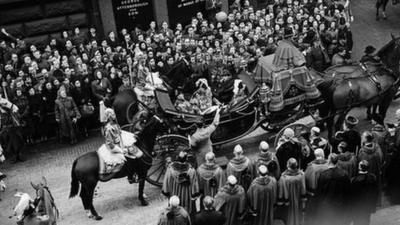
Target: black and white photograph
[[200, 112]]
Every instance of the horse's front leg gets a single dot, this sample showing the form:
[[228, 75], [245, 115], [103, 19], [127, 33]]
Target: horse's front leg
[[142, 199]]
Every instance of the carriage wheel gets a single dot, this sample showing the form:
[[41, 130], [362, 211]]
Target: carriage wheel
[[166, 149], [298, 129]]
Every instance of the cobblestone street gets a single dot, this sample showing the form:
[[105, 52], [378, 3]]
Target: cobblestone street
[[117, 200]]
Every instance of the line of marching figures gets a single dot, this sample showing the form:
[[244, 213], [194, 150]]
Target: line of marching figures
[[335, 189]]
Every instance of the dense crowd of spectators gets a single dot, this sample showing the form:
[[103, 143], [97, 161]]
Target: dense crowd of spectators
[[91, 68]]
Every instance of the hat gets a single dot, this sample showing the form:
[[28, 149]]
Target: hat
[[232, 180], [174, 201], [264, 146], [288, 133], [351, 121], [238, 149], [262, 169], [369, 49]]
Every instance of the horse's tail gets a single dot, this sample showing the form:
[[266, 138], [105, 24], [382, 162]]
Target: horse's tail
[[74, 182]]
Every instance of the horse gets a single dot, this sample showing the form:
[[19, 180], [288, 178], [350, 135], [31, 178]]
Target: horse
[[39, 211], [378, 5], [376, 84], [85, 169]]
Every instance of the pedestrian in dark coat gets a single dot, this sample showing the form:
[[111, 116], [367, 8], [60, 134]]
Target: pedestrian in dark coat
[[364, 195], [209, 216], [67, 115], [36, 114], [332, 195], [49, 99]]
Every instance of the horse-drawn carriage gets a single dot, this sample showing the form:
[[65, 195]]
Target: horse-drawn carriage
[[236, 121]]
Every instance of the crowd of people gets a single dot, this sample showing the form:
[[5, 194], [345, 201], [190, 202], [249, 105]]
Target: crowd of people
[[58, 86], [308, 180]]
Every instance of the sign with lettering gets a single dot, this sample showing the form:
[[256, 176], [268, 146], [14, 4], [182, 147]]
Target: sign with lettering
[[181, 11], [132, 13]]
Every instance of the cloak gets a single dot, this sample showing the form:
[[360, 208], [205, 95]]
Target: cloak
[[242, 168], [348, 162], [262, 196], [270, 161], [292, 191], [332, 197], [174, 216], [313, 172], [231, 201], [211, 178], [181, 179]]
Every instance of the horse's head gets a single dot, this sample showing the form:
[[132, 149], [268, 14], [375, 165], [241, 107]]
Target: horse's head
[[390, 54], [44, 199], [153, 127]]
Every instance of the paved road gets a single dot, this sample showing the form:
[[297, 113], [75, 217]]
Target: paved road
[[117, 201]]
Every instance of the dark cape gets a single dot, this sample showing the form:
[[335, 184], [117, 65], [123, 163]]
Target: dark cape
[[174, 216], [332, 197], [242, 168], [292, 192], [211, 178], [231, 201], [262, 197], [269, 160], [181, 180]]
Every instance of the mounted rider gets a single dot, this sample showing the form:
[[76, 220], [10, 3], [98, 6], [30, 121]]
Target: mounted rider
[[114, 155]]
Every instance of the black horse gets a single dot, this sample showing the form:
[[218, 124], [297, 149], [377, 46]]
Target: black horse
[[376, 88], [85, 169]]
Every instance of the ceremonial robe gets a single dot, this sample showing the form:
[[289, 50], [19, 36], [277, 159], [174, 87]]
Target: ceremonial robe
[[242, 168], [348, 162], [364, 196], [181, 179], [373, 154], [174, 216], [270, 161], [313, 172], [231, 201], [262, 196], [211, 178], [292, 191], [332, 196]]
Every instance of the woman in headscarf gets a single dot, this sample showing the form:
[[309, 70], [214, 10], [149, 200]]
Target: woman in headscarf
[[67, 115]]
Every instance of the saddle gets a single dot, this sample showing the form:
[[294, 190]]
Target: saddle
[[108, 170]]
